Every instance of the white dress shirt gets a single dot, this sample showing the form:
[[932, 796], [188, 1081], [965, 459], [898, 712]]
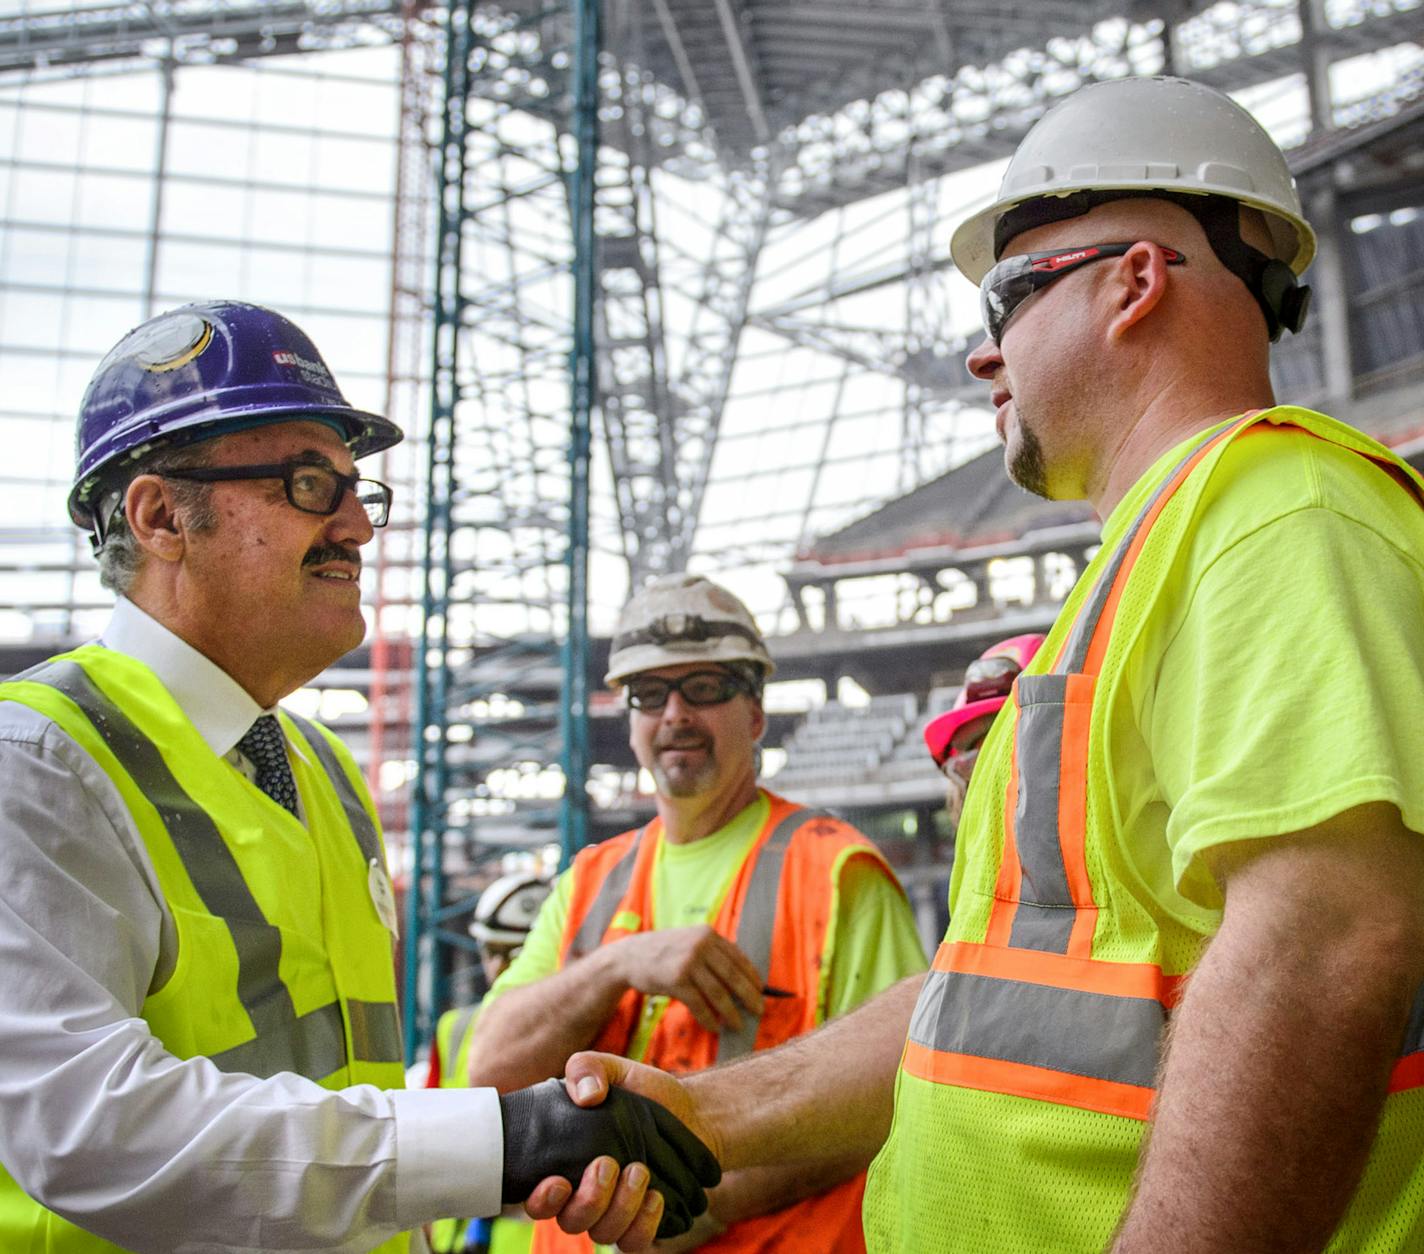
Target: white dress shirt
[[103, 1125]]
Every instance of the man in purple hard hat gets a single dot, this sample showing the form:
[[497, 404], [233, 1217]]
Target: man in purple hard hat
[[198, 1017]]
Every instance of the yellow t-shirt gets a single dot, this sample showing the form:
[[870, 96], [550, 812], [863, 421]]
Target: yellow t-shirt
[[1284, 683], [875, 942]]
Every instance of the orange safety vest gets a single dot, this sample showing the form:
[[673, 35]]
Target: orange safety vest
[[778, 911], [1029, 1011]]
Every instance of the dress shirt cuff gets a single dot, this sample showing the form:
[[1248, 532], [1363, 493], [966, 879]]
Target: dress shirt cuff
[[449, 1154]]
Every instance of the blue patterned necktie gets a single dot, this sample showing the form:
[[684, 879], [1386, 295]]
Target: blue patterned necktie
[[266, 748]]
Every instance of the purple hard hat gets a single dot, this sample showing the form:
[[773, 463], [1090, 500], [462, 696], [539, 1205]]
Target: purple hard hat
[[198, 372]]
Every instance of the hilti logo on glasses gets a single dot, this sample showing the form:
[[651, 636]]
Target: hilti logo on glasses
[[1059, 260]]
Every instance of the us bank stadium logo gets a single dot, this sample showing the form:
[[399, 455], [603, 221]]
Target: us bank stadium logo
[[312, 372], [170, 342]]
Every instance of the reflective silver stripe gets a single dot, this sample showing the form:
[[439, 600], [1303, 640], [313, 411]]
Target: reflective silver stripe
[[356, 815], [1414, 1033], [1044, 917], [375, 1031], [458, 1027], [605, 902], [284, 1041], [757, 925], [1096, 1035], [313, 1045]]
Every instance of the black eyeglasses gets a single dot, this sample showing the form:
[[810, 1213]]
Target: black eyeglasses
[[650, 692], [310, 488], [1013, 280]]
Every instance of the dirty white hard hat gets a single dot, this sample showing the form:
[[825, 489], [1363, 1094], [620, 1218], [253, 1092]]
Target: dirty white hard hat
[[507, 909], [684, 618], [1154, 135]]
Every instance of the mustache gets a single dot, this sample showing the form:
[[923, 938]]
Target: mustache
[[320, 553], [679, 742]]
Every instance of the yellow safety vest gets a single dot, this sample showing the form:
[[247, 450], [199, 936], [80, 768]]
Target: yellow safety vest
[[1029, 1072], [283, 963]]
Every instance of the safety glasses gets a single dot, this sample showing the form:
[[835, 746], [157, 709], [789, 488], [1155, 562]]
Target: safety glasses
[[651, 692], [313, 489], [1013, 280]]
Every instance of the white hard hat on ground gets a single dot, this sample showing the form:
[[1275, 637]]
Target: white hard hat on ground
[[684, 618], [1159, 137], [507, 909]]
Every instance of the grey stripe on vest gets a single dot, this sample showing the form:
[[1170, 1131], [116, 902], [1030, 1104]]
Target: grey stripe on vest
[[375, 1031], [1095, 1035], [1414, 1033], [283, 1042], [757, 924], [1075, 655], [605, 902], [1044, 918], [356, 814], [314, 1046], [460, 1025]]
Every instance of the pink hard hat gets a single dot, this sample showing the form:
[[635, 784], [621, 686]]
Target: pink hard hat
[[986, 687]]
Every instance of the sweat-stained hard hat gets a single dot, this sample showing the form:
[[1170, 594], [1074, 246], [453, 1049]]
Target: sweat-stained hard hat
[[684, 618], [1159, 137], [507, 909], [987, 682], [196, 372]]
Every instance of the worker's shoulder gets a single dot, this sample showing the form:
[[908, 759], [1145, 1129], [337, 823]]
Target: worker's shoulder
[[809, 823], [26, 729], [1280, 470], [613, 847]]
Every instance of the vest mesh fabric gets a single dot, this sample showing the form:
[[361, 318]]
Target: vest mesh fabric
[[266, 748], [974, 1170]]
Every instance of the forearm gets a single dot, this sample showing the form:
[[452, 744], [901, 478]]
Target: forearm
[[527, 1034], [755, 1191], [822, 1101], [1276, 1070]]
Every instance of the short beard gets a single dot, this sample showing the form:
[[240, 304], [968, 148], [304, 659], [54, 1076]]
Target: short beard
[[1027, 469], [685, 784]]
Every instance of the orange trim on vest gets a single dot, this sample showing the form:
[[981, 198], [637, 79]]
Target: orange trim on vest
[[1086, 975], [992, 1075], [1408, 1073], [1073, 813], [829, 1221]]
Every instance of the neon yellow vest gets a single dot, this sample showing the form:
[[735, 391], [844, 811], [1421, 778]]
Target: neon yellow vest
[[282, 962], [1027, 1078]]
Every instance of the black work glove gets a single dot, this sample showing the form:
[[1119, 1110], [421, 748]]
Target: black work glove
[[545, 1134]]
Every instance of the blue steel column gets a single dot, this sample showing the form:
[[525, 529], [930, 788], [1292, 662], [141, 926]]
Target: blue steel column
[[573, 710], [426, 888]]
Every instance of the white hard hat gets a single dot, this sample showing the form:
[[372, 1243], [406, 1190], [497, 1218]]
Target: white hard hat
[[684, 618], [507, 909], [1154, 135]]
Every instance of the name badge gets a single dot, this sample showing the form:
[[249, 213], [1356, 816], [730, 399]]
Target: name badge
[[383, 897]]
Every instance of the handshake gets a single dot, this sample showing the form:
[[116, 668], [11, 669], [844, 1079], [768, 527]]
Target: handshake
[[549, 1139]]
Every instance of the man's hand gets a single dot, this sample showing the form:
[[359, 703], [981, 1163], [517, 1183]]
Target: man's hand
[[696, 965], [549, 1141], [591, 1077]]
